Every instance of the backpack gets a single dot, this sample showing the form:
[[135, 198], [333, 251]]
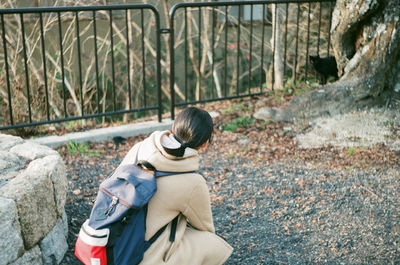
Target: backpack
[[115, 231]]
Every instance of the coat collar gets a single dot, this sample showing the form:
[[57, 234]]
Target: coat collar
[[163, 161]]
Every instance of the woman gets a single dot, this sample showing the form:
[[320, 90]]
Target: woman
[[184, 195]]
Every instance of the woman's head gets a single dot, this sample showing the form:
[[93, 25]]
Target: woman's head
[[193, 127]]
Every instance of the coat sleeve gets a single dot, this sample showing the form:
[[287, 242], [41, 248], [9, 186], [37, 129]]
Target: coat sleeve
[[198, 210]]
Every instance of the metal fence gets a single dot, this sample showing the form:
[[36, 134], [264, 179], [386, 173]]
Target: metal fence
[[232, 49], [67, 63]]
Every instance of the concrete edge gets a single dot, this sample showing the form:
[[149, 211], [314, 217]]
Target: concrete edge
[[104, 134]]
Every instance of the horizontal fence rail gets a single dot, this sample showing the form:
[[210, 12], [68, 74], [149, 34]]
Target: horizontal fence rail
[[60, 64], [69, 63], [243, 48]]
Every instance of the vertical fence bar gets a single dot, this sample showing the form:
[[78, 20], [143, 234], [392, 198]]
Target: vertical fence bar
[[26, 67], [112, 61], [3, 32], [143, 59], [274, 42], [62, 62], [213, 53], [297, 42], [172, 64], [262, 48], [44, 65], [329, 30], [199, 43], [186, 55], [238, 51], [308, 38], [319, 27], [285, 49], [96, 61], [158, 63], [128, 65], [251, 45], [78, 42], [226, 51]]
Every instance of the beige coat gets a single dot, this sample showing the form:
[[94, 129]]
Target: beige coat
[[185, 195]]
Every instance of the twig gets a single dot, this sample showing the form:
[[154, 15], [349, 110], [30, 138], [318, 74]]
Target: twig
[[364, 188]]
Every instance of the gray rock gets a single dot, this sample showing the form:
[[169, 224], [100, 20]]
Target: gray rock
[[31, 150], [65, 223], [53, 166], [244, 141], [11, 244], [9, 161], [54, 245], [31, 257], [9, 165], [34, 197], [8, 141], [269, 114], [356, 129]]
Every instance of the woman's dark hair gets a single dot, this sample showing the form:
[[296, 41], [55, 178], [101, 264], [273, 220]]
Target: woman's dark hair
[[192, 128]]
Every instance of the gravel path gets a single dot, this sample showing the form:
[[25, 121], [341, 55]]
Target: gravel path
[[275, 213]]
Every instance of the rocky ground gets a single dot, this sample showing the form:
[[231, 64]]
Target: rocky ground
[[274, 200]]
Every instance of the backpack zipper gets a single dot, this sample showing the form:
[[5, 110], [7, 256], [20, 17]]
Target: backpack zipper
[[112, 205], [109, 194]]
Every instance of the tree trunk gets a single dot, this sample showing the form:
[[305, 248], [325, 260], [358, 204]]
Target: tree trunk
[[276, 46], [366, 44]]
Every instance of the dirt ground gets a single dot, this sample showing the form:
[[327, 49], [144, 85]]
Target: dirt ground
[[275, 200]]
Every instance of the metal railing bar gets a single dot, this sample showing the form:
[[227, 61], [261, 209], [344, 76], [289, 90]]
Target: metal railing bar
[[78, 42], [286, 31], [26, 67], [297, 42], [217, 99], [237, 3], [73, 118], [199, 50], [35, 10], [308, 38], [226, 51], [274, 48], [143, 58], [158, 61], [238, 52], [96, 61], [7, 71], [186, 56], [44, 66], [172, 70], [251, 45], [128, 66], [112, 60], [262, 49], [62, 63]]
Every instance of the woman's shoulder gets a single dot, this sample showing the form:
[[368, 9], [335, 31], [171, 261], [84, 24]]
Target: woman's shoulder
[[186, 181]]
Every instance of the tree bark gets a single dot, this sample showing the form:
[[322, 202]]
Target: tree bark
[[366, 45]]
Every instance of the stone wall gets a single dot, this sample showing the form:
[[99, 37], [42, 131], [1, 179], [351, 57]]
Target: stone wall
[[33, 190]]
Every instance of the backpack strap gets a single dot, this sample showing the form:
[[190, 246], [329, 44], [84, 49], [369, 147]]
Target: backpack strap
[[174, 224], [157, 173]]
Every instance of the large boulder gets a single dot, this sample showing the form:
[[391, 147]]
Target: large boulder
[[31, 257], [11, 244], [34, 196], [33, 191]]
